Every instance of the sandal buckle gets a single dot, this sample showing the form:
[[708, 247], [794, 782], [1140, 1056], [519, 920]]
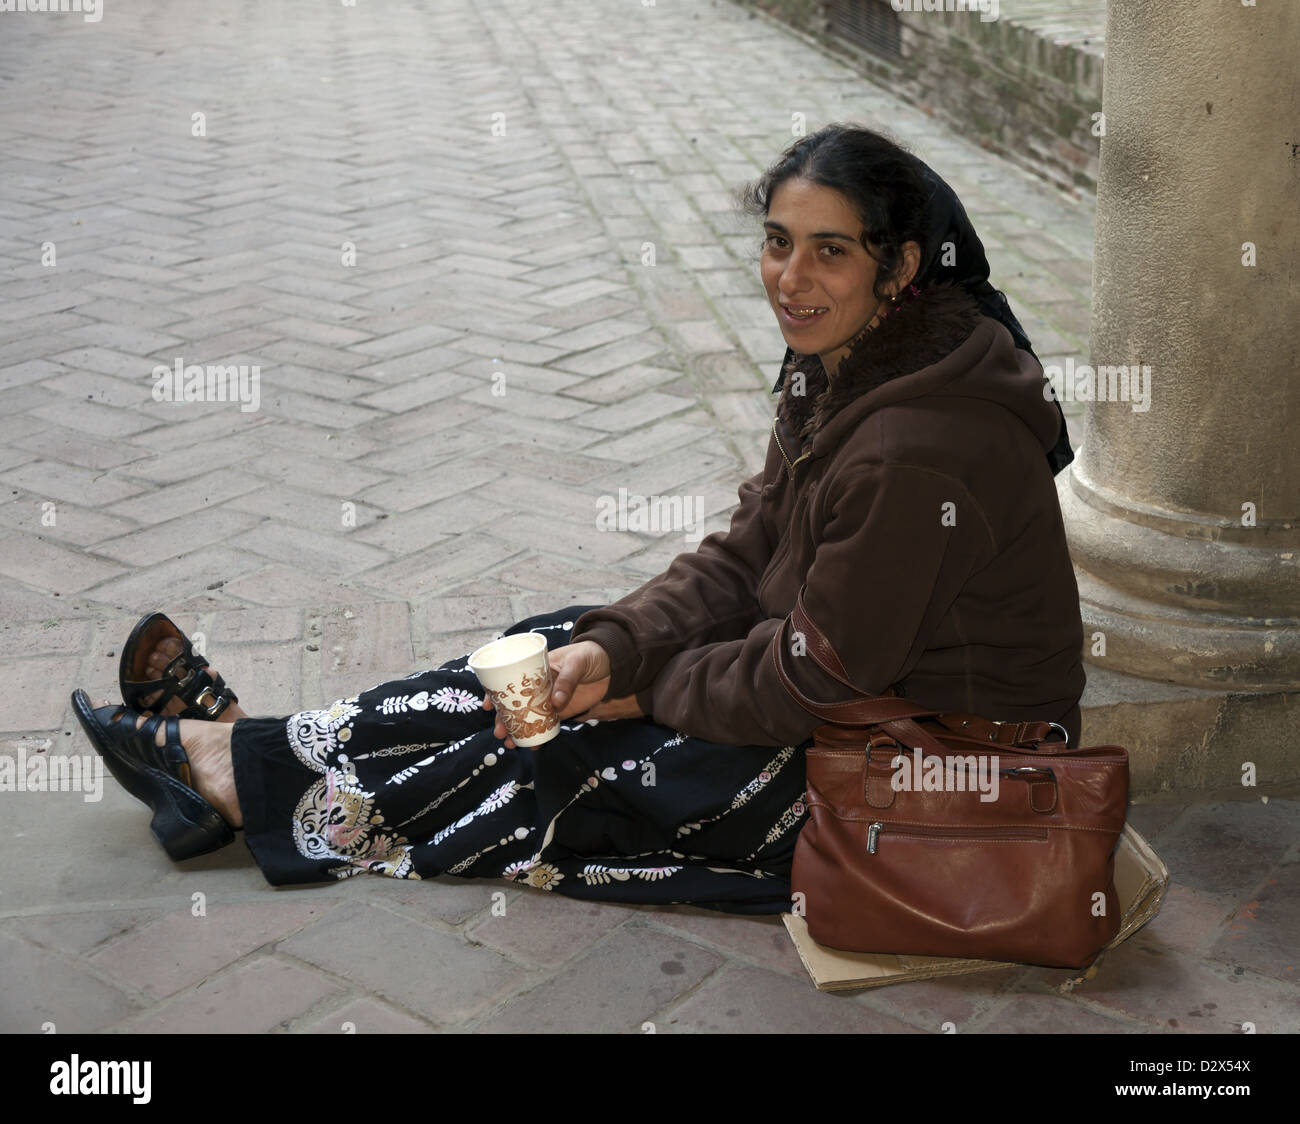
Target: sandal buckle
[[219, 702], [169, 672]]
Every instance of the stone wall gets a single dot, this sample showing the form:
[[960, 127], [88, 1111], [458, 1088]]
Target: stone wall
[[1008, 85]]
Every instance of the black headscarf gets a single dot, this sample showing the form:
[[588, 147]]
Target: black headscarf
[[946, 221]]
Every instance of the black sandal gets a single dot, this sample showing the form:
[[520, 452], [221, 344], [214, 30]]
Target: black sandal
[[159, 775], [187, 677]]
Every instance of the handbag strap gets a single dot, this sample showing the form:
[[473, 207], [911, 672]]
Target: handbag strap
[[897, 716]]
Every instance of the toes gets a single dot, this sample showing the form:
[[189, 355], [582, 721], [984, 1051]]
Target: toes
[[160, 735], [166, 650]]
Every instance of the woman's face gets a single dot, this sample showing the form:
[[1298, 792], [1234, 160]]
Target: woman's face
[[813, 260]]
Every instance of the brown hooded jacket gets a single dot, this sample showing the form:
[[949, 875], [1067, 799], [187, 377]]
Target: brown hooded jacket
[[923, 525]]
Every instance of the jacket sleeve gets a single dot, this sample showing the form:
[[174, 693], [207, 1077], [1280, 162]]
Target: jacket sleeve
[[704, 595], [891, 561]]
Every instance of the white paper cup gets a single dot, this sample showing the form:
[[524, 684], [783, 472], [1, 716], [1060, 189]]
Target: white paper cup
[[515, 671]]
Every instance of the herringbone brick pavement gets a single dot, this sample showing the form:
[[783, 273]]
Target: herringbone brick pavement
[[397, 211]]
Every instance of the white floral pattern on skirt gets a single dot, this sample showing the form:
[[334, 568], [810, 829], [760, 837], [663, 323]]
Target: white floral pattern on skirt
[[625, 811]]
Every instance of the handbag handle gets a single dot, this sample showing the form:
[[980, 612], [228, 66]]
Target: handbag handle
[[893, 714]]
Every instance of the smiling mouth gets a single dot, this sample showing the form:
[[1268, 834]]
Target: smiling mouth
[[803, 314]]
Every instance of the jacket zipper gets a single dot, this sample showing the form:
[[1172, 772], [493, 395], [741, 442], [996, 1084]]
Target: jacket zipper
[[784, 455], [782, 549], [974, 833]]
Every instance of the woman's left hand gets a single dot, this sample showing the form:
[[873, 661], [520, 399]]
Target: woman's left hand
[[626, 707]]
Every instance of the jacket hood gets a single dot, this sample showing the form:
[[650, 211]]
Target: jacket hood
[[937, 345]]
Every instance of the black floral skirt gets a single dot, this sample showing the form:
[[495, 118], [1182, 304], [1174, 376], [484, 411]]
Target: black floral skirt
[[407, 780]]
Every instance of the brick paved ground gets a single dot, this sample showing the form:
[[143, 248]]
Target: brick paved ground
[[476, 255]]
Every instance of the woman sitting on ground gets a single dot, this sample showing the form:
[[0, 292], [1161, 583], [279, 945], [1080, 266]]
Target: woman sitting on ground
[[907, 494]]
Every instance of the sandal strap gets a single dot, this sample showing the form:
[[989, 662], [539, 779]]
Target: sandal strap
[[170, 757], [211, 700], [200, 681], [204, 691], [189, 660]]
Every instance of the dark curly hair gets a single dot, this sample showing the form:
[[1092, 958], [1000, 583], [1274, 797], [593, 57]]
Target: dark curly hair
[[881, 180]]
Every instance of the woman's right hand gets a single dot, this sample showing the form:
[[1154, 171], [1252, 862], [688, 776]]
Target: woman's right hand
[[579, 680], [580, 674]]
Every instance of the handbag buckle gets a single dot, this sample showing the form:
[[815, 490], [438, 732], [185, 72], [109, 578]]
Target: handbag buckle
[[1035, 775], [1065, 737]]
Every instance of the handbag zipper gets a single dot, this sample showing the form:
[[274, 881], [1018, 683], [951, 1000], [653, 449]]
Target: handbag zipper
[[874, 830]]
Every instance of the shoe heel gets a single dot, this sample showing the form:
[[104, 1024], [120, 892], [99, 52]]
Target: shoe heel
[[185, 829], [184, 823]]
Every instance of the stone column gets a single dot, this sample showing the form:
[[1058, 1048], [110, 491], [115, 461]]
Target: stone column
[[1184, 517]]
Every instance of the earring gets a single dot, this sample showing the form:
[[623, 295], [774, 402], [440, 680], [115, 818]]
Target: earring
[[911, 290]]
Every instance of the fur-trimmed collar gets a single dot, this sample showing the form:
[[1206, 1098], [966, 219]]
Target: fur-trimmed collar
[[919, 333]]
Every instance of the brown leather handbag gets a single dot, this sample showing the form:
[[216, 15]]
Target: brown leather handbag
[[946, 834]]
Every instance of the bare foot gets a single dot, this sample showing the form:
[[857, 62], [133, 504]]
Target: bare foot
[[212, 771], [164, 652]]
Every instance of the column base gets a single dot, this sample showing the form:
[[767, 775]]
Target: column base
[[1175, 599], [1189, 742]]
